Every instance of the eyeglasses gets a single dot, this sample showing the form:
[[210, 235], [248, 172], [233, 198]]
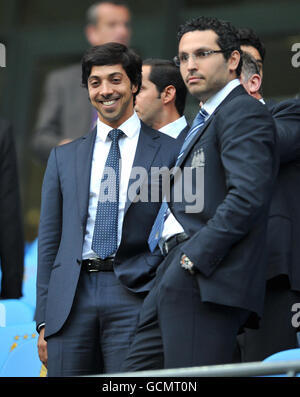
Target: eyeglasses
[[182, 59]]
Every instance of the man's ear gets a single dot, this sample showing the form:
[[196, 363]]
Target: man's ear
[[254, 83], [134, 88], [234, 60], [169, 94]]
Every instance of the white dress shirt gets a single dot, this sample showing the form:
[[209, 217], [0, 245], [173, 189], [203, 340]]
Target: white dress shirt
[[128, 143], [171, 225], [174, 129]]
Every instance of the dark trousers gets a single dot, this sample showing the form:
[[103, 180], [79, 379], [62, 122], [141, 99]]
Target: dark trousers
[[99, 329], [276, 331], [177, 329]]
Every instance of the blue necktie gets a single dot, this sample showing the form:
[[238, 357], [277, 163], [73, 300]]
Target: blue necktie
[[158, 226], [105, 237]]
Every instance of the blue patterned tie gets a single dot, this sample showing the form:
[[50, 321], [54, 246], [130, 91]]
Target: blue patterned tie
[[158, 226], [105, 237]]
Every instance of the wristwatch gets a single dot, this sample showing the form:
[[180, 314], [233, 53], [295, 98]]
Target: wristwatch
[[187, 264]]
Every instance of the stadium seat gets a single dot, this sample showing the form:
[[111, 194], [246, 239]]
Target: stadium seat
[[14, 311], [18, 352], [30, 271], [285, 355]]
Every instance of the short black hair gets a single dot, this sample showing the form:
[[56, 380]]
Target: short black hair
[[250, 66], [113, 54], [92, 13], [163, 73], [249, 38], [228, 38]]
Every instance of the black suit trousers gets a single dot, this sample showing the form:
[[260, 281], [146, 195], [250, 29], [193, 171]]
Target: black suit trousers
[[177, 329]]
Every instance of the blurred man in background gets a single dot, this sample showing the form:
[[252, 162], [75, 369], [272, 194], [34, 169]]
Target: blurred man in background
[[11, 227], [65, 112], [252, 44], [161, 100]]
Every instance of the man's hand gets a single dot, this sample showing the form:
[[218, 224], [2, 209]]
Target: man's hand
[[42, 348]]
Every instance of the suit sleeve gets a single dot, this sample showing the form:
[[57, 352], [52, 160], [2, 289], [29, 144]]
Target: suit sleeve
[[246, 145], [11, 230], [286, 115], [49, 232], [48, 127]]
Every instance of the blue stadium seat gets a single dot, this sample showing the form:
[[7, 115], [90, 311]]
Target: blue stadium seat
[[18, 352], [285, 355], [14, 311], [30, 271]]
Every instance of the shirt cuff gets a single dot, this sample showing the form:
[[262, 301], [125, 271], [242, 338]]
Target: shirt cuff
[[40, 326]]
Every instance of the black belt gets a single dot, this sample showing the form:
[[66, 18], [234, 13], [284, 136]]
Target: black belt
[[98, 265], [167, 245]]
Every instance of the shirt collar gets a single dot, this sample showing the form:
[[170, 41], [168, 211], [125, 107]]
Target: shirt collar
[[130, 127], [212, 103], [174, 128]]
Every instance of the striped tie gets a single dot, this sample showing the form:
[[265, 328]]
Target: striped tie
[[158, 226]]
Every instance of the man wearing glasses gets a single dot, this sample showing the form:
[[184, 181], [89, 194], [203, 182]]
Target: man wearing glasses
[[211, 282]]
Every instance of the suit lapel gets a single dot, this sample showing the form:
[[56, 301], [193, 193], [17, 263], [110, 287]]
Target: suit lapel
[[181, 137], [147, 147], [239, 90], [193, 141], [84, 156]]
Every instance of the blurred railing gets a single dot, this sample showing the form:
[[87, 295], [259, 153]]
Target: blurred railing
[[284, 368]]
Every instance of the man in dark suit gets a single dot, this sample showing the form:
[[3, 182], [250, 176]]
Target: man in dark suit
[[65, 113], [211, 282], [94, 263], [276, 331], [161, 100], [11, 225]]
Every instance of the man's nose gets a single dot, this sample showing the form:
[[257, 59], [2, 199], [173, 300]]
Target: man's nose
[[106, 89], [191, 62]]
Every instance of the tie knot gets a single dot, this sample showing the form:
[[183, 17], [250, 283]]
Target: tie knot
[[202, 114], [115, 134], [199, 119]]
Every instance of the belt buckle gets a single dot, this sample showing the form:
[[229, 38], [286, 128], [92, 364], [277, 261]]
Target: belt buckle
[[89, 269]]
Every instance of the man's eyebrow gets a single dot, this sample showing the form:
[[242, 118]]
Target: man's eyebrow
[[204, 48], [115, 74], [93, 77], [110, 75]]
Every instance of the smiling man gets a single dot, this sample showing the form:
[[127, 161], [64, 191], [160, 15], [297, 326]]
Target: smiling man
[[94, 263], [211, 282]]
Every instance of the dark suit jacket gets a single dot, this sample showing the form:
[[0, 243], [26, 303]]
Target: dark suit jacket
[[227, 237], [181, 137], [284, 220], [65, 197], [11, 226], [65, 111]]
